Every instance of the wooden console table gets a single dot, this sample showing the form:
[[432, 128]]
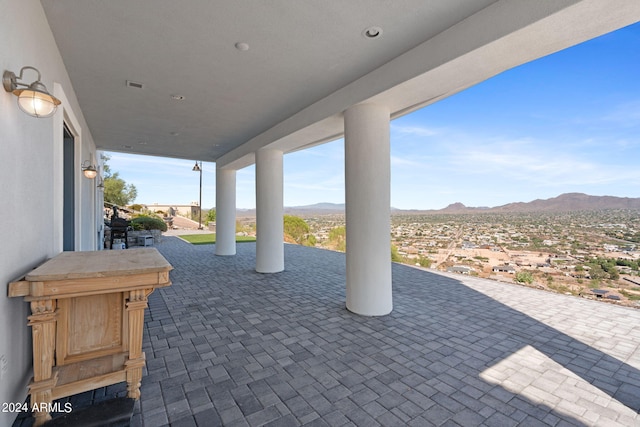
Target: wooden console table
[[87, 320]]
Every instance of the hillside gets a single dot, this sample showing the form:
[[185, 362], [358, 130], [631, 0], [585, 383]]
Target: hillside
[[563, 203], [315, 209], [568, 202]]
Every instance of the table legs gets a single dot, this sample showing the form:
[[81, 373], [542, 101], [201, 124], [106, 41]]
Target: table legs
[[43, 325], [135, 307]]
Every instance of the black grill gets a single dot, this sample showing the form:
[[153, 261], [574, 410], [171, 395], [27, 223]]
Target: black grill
[[119, 227]]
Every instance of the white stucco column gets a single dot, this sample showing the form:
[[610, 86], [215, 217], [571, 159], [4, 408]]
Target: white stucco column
[[269, 211], [225, 211], [368, 222]]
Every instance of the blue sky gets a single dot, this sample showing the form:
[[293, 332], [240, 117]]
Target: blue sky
[[569, 122]]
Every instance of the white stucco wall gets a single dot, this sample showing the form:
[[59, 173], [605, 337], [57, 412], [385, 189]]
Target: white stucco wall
[[31, 183]]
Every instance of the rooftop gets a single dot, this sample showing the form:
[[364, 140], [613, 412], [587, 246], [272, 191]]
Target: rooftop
[[230, 345]]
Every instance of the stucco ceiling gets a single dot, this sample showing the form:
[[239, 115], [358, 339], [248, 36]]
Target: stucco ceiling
[[306, 62]]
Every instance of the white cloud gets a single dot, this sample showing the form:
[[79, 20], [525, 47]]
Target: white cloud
[[401, 162], [473, 166], [547, 166], [625, 115], [420, 131]]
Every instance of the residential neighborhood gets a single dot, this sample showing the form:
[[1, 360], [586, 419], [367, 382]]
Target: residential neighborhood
[[555, 250]]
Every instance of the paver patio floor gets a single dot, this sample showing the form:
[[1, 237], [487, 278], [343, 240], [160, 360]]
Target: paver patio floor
[[228, 346]]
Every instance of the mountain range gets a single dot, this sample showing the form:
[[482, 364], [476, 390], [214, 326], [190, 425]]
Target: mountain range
[[567, 202]]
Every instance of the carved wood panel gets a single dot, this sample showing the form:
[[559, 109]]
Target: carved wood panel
[[90, 326]]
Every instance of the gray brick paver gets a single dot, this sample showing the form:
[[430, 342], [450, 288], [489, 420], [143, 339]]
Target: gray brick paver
[[155, 419], [286, 341], [391, 420], [177, 410], [263, 417]]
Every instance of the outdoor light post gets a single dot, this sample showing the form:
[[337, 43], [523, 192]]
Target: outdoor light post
[[198, 168]]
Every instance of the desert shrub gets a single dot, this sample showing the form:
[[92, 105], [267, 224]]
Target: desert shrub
[[143, 222], [524, 277]]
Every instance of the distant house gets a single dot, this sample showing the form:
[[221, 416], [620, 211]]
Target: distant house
[[460, 269], [411, 250], [524, 264], [504, 269], [189, 211]]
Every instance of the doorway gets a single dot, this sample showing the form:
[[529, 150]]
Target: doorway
[[68, 217]]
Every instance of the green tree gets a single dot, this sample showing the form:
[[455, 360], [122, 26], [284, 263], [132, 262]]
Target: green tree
[[298, 230], [597, 273], [116, 190], [338, 238], [395, 255], [211, 216]]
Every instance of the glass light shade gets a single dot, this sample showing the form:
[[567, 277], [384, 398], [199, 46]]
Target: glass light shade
[[36, 103], [90, 172]]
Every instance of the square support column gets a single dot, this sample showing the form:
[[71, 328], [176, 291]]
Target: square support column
[[269, 211], [225, 211], [368, 221]]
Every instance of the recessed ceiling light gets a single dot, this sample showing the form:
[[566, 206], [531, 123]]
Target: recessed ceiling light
[[242, 46], [142, 142], [178, 97], [372, 32]]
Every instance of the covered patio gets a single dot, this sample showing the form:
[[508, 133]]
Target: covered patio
[[260, 334], [228, 346]]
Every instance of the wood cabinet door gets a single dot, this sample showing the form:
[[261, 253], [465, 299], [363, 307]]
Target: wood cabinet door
[[91, 326]]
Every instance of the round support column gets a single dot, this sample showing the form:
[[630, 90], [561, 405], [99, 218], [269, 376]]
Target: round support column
[[269, 211], [225, 211], [368, 222]]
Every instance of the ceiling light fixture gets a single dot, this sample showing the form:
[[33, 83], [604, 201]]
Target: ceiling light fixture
[[178, 97], [242, 46], [35, 100], [372, 32]]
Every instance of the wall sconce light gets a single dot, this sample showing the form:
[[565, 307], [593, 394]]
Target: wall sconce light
[[89, 170], [35, 100], [100, 184]]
